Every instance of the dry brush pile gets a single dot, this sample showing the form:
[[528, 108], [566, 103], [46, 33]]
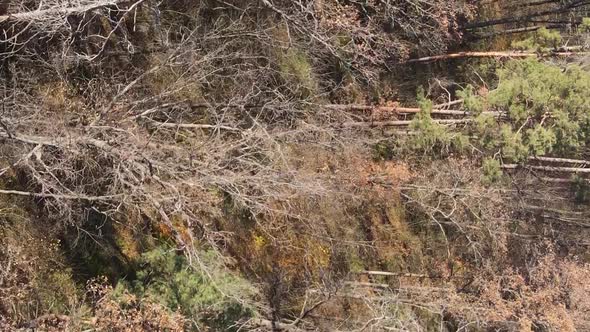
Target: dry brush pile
[[176, 112], [219, 127]]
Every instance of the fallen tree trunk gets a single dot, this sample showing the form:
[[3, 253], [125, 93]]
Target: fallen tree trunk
[[404, 110], [60, 196], [394, 274], [516, 30], [393, 109], [560, 160], [549, 168], [560, 180], [58, 11], [192, 126], [494, 54], [400, 123], [528, 17]]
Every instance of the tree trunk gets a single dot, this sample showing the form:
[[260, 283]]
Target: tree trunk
[[494, 54], [58, 11], [527, 18], [400, 123], [561, 160], [392, 109], [549, 168], [517, 30]]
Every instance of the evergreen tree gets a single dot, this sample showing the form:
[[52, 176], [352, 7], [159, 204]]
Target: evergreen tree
[[205, 297]]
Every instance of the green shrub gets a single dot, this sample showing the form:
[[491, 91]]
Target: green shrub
[[471, 102], [57, 291], [540, 140], [431, 136], [512, 144], [35, 279], [542, 39], [548, 38], [585, 26], [296, 71], [541, 108], [524, 45], [486, 127], [208, 297], [580, 189], [546, 109], [384, 150], [491, 171]]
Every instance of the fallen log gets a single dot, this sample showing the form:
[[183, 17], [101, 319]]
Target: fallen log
[[58, 11], [402, 110], [507, 32], [528, 17], [560, 180], [548, 168], [393, 109], [394, 274], [400, 123], [192, 126], [495, 54], [560, 160]]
